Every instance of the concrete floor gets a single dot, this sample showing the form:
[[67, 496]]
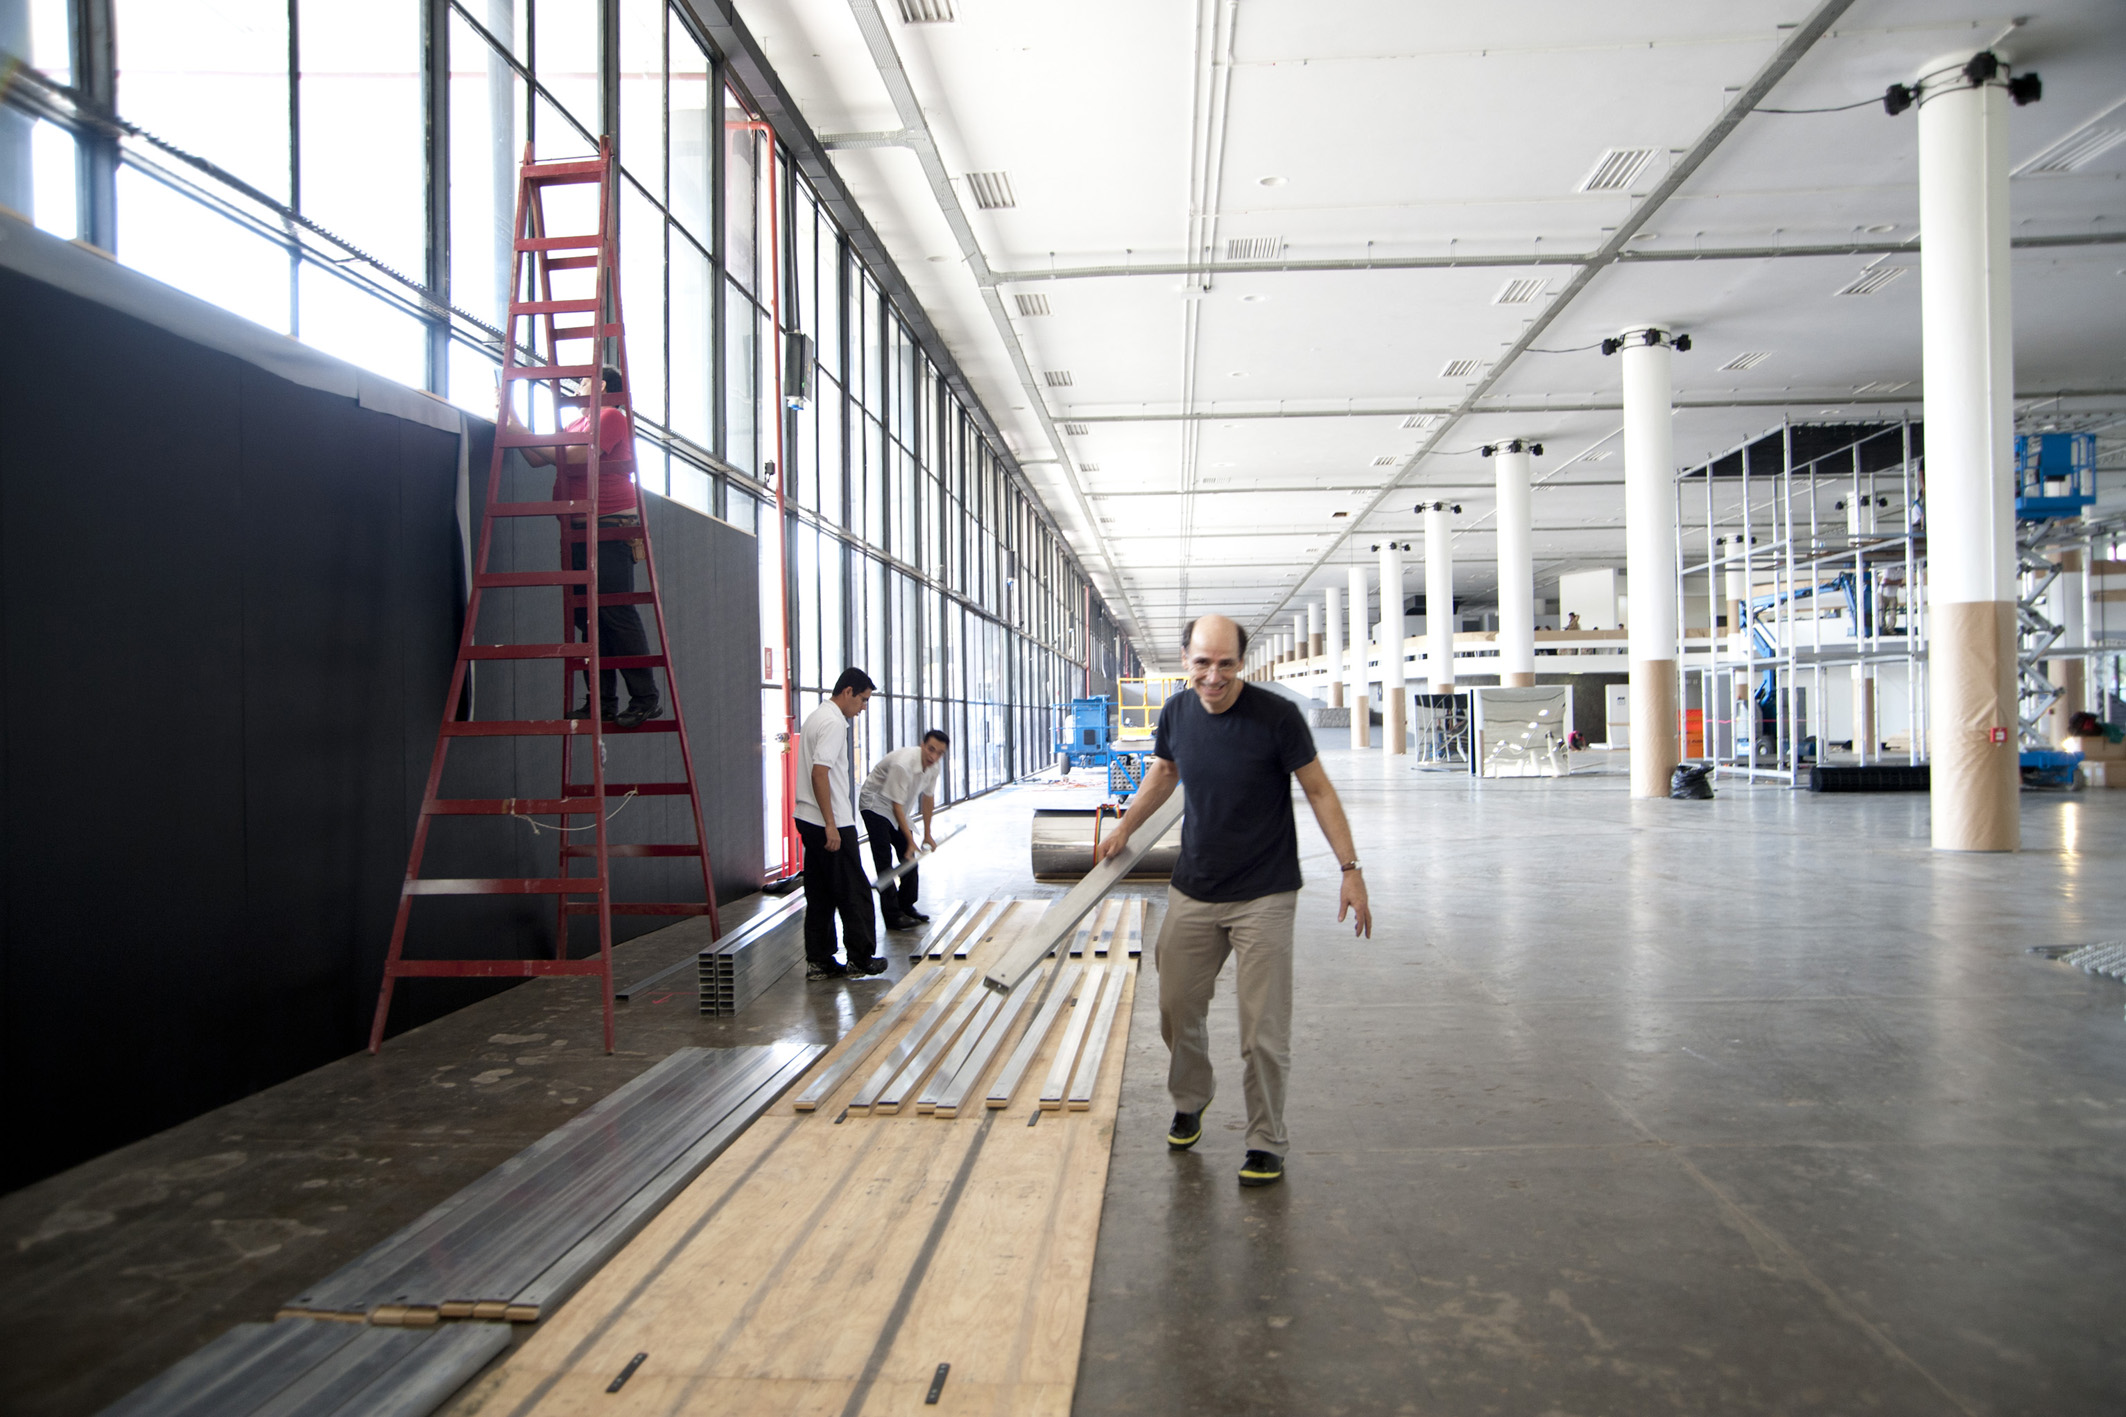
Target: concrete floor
[[1752, 1105]]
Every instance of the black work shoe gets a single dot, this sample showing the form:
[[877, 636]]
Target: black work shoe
[[830, 970], [876, 964], [639, 712], [1186, 1131], [606, 710], [1262, 1168], [918, 917], [902, 922]]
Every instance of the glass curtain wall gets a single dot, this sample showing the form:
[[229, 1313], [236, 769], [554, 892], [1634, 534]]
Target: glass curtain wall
[[347, 175]]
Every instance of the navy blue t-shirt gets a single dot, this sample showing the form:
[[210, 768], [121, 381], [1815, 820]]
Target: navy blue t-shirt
[[1238, 841]]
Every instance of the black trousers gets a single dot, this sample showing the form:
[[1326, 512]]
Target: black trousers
[[619, 626], [835, 885], [887, 840]]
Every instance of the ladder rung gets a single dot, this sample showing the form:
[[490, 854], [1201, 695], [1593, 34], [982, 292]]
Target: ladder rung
[[538, 509], [640, 789], [562, 332], [526, 438], [637, 907], [492, 968], [564, 169], [571, 263], [565, 651], [523, 728], [508, 806], [503, 885], [550, 371], [579, 241], [488, 580], [619, 597], [553, 307], [580, 852], [655, 725]]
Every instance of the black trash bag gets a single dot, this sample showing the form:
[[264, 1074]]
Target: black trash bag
[[1691, 783]]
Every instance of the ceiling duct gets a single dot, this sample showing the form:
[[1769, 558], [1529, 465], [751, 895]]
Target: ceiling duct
[[927, 12], [1030, 305], [1519, 292], [1057, 378], [992, 190], [1748, 360], [1871, 280], [1617, 169], [1253, 248], [1460, 368]]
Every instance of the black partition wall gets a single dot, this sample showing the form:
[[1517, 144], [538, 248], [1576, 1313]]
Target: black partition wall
[[228, 606]]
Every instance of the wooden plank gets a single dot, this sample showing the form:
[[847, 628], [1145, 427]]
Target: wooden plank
[[1103, 1025], [863, 1041], [1024, 957], [1073, 1032], [898, 1055], [978, 1061], [956, 1056], [937, 930], [911, 1076], [1058, 996]]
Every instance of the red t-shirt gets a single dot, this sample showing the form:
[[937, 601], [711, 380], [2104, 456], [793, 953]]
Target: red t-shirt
[[616, 465]]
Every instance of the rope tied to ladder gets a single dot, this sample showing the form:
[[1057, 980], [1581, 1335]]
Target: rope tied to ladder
[[510, 805]]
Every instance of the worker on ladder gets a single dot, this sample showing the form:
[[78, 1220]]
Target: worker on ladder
[[620, 629]]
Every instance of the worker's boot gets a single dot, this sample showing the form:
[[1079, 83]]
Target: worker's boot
[[608, 709], [639, 712]]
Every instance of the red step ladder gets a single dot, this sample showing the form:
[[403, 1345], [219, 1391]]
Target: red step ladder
[[535, 333]]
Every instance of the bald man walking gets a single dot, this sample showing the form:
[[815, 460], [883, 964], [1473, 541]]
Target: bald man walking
[[1236, 887]]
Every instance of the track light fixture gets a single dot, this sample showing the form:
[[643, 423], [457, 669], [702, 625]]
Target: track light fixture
[[1984, 67], [1649, 336]]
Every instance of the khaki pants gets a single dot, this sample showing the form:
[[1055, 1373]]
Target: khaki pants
[[1193, 945]]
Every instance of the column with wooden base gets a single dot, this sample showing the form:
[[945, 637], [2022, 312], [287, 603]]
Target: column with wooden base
[[1439, 600], [1516, 570], [1360, 699], [1650, 558], [1333, 642], [1392, 692]]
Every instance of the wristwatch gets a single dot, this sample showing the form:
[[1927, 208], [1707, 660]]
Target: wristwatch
[[1352, 864]]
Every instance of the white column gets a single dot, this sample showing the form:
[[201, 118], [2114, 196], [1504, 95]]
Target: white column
[[1333, 642], [1314, 628], [1650, 559], [1439, 600], [1359, 698], [1392, 707], [1516, 572], [1299, 634], [2064, 606], [1968, 363]]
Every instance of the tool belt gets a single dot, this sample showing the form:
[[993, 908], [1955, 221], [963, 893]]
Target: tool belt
[[635, 544]]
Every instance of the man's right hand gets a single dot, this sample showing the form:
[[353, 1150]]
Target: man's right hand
[[834, 838], [1109, 844]]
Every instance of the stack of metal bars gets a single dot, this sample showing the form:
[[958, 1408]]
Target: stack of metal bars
[[519, 1240], [736, 969], [768, 918], [2107, 958], [309, 1368]]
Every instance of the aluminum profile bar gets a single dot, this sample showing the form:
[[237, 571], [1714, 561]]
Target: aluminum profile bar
[[1134, 940], [948, 1067], [1081, 937], [1059, 994], [764, 921], [237, 1372], [937, 931], [982, 932], [1082, 1008], [898, 1055], [911, 1077], [977, 1062], [888, 878], [977, 920], [1087, 1076], [1023, 958], [1110, 920], [870, 1032]]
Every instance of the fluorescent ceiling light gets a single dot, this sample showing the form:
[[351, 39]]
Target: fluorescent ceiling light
[[1424, 422], [927, 12], [1883, 386], [1057, 378], [1386, 460], [1252, 248], [992, 190], [2076, 150], [1749, 360], [1460, 368], [1076, 430], [1871, 280], [1617, 168], [1519, 292], [1033, 304]]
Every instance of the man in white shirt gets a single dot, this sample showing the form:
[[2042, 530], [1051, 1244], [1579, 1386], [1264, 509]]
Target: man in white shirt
[[898, 784], [835, 883]]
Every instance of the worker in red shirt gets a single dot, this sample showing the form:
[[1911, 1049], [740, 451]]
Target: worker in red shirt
[[620, 629]]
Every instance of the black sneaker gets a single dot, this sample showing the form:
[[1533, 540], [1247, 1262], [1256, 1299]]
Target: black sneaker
[[876, 964], [1186, 1131], [1262, 1168], [830, 970], [639, 712]]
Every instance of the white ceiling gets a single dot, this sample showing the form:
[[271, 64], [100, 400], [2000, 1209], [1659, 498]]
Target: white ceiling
[[1228, 418]]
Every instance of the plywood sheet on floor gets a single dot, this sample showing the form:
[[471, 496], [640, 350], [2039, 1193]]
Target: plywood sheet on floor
[[829, 1262]]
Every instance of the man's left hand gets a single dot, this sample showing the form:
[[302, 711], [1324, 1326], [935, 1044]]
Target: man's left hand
[[929, 842], [1353, 903]]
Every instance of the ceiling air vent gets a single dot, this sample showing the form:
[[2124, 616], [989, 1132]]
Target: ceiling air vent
[[2077, 149], [1253, 248], [1519, 292], [1749, 360], [1033, 304], [1422, 422], [1883, 386], [927, 12], [1386, 460], [992, 190], [1076, 430], [1617, 169], [1057, 378], [1871, 280], [1460, 368]]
